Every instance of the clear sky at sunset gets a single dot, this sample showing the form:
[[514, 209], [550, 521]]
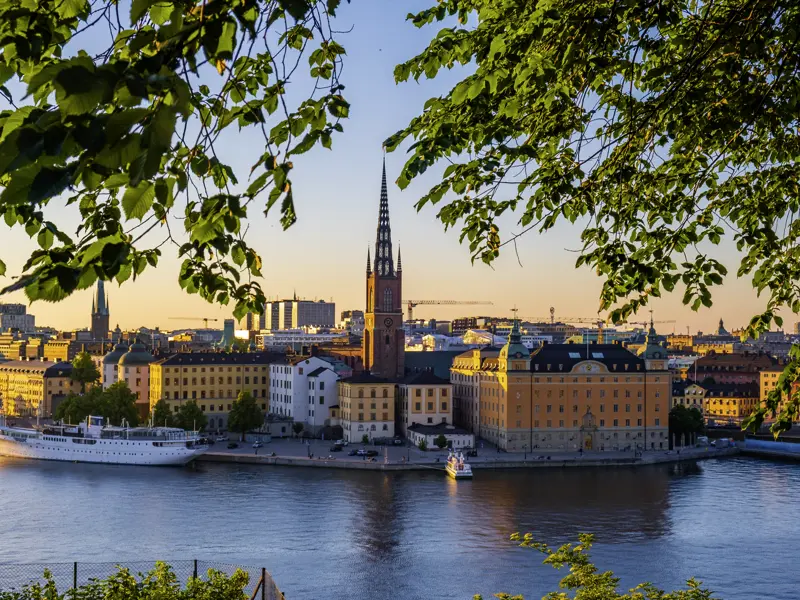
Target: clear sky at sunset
[[336, 196]]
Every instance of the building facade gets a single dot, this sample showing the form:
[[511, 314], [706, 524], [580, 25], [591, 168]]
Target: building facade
[[383, 344], [16, 317], [564, 396], [294, 314], [33, 387], [743, 367], [366, 404], [100, 313], [731, 402], [424, 399], [213, 380]]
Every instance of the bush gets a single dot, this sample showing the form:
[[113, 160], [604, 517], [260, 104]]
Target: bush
[[365, 439], [440, 441], [159, 584], [423, 445]]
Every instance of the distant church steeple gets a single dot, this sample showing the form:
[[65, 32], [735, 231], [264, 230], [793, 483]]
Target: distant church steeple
[[100, 313], [384, 263], [383, 344]]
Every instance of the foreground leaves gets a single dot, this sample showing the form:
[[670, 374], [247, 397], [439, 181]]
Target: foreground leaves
[[661, 128], [127, 135]]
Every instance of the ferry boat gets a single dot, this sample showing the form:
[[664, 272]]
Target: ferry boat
[[456, 467], [94, 442]]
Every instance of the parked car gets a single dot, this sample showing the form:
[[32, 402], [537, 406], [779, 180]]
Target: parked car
[[397, 442], [342, 443], [232, 445], [352, 452], [258, 445], [371, 453], [336, 448], [221, 438], [362, 452]]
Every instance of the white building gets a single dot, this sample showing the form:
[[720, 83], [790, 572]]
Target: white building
[[480, 337], [110, 366], [294, 338], [304, 389], [14, 316], [292, 314], [456, 437]]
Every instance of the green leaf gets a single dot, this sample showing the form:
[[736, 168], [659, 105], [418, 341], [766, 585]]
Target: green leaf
[[137, 200], [139, 8], [45, 238]]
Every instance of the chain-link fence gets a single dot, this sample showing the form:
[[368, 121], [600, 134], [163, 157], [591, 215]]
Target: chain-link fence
[[73, 575]]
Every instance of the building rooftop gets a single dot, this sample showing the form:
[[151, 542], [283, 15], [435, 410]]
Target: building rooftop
[[319, 371], [425, 378], [732, 390], [366, 378], [438, 361], [47, 367], [220, 358]]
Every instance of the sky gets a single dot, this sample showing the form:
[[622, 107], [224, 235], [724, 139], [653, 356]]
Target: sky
[[336, 192]]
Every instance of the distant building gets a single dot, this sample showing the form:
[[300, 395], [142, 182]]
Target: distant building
[[456, 437], [294, 314], [100, 313], [731, 402], [367, 407], [294, 339], [303, 388], [424, 399], [352, 321], [564, 396], [15, 317], [34, 387], [131, 365], [213, 380], [733, 368], [13, 346]]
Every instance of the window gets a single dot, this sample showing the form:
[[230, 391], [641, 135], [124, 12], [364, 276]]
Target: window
[[444, 393], [638, 408], [549, 408], [385, 393], [561, 408], [418, 406], [444, 406], [430, 405], [616, 422], [387, 300], [616, 408], [627, 408], [627, 422], [658, 422], [372, 394]]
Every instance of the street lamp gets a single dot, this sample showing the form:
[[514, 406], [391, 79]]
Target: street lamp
[[525, 451]]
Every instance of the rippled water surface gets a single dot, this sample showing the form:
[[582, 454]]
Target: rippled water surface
[[340, 534]]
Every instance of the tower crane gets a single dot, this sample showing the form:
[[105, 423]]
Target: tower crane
[[596, 321], [412, 303], [205, 320]]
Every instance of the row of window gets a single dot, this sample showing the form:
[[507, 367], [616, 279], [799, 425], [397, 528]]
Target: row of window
[[211, 369], [212, 394], [562, 423], [220, 381]]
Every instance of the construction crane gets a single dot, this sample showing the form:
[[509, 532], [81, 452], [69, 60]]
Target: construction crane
[[596, 321], [412, 303], [647, 323], [205, 320]]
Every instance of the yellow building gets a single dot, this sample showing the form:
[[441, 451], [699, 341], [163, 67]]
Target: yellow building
[[31, 387], [424, 399], [731, 402], [213, 380], [564, 396], [689, 394], [768, 380], [367, 407]]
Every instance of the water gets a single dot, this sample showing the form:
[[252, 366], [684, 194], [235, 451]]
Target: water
[[353, 535]]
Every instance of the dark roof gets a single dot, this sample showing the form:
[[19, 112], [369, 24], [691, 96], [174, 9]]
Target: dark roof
[[334, 406], [220, 358], [437, 429], [568, 355], [732, 390], [438, 361], [678, 387], [365, 378], [318, 371], [425, 378]]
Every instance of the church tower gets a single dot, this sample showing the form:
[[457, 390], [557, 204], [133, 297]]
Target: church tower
[[383, 345], [100, 315]]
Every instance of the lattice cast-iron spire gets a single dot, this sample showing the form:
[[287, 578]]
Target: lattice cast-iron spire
[[384, 263], [369, 263]]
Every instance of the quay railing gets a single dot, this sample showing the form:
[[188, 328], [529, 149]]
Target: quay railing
[[71, 576]]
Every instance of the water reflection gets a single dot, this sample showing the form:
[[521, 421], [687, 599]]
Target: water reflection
[[413, 535]]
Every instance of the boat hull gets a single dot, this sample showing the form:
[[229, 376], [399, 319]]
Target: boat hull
[[458, 474], [115, 452]]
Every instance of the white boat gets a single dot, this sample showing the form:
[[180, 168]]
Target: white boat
[[456, 467], [94, 442]]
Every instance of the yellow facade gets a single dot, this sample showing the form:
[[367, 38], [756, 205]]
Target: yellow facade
[[424, 399], [733, 404], [213, 380], [28, 388], [570, 397], [768, 380], [367, 406]]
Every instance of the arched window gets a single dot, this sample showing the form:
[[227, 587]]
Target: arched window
[[385, 393], [360, 393], [387, 300], [388, 340], [372, 393]]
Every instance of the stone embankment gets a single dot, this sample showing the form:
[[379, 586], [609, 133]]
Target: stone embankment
[[561, 460]]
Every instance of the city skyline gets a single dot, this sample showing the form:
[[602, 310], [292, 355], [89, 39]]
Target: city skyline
[[322, 255]]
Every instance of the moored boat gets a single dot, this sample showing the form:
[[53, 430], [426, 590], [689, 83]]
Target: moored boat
[[92, 441], [456, 467]]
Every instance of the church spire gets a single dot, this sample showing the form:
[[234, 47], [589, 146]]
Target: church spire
[[384, 263], [100, 301], [399, 260], [369, 265]]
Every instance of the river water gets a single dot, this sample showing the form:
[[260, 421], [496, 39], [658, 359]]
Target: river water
[[356, 535]]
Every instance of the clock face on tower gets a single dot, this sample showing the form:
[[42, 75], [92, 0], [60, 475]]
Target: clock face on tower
[[388, 322]]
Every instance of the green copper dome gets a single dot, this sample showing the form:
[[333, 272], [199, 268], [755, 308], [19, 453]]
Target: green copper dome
[[514, 347], [137, 355], [112, 358]]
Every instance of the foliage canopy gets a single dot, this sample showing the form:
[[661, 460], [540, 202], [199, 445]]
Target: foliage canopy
[[116, 403], [125, 130], [84, 371], [661, 128], [245, 415]]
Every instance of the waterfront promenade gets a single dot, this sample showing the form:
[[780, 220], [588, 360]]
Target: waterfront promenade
[[295, 453]]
